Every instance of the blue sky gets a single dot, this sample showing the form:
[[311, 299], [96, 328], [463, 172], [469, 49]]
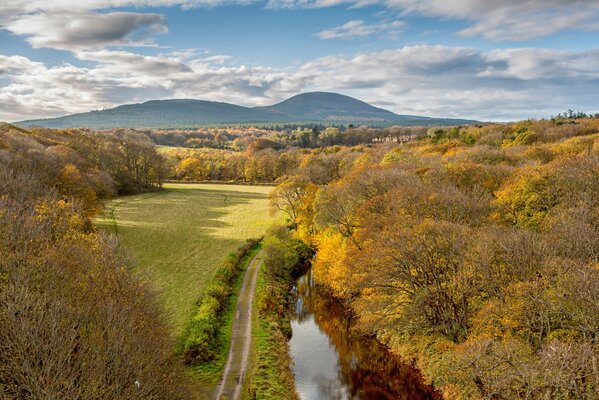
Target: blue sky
[[459, 58]]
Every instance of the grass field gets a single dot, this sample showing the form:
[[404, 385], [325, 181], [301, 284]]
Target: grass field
[[177, 237]]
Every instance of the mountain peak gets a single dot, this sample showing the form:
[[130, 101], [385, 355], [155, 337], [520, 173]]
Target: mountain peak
[[323, 96], [330, 106]]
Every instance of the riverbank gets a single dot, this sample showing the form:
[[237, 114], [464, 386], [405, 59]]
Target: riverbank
[[270, 376]]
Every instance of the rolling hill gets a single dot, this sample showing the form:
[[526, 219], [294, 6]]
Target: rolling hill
[[308, 107]]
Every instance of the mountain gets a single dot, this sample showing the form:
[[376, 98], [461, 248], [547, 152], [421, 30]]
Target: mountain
[[159, 113], [308, 107], [319, 106]]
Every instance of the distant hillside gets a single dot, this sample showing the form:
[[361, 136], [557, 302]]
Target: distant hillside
[[333, 107], [319, 106], [159, 113], [307, 107]]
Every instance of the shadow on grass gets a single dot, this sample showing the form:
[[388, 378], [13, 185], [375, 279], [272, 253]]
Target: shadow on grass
[[177, 237], [218, 199]]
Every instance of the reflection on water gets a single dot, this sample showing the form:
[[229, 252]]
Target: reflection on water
[[331, 363]]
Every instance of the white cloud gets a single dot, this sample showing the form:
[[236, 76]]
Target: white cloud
[[359, 28], [510, 20], [58, 23], [465, 82], [72, 30], [542, 64], [422, 80], [18, 7], [83, 24]]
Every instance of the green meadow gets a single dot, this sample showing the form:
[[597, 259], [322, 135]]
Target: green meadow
[[177, 237]]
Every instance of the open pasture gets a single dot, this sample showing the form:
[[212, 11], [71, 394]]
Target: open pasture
[[177, 237]]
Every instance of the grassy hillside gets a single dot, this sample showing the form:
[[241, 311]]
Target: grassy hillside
[[178, 237]]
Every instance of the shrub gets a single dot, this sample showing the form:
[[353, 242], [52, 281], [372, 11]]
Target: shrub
[[200, 342]]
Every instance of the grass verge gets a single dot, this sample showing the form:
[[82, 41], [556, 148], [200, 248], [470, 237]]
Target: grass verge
[[269, 376]]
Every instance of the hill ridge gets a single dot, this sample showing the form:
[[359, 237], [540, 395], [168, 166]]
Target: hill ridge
[[309, 107]]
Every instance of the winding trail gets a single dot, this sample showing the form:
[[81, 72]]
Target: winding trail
[[231, 382]]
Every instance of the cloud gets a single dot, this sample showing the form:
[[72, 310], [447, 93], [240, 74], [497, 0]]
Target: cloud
[[69, 30], [507, 20], [465, 82], [542, 64], [310, 4], [422, 80], [514, 20], [358, 28], [82, 24], [21, 7], [37, 90], [219, 59]]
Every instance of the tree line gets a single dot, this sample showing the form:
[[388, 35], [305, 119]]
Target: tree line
[[238, 138]]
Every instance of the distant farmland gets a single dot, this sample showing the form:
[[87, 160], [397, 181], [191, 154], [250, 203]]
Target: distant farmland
[[177, 237]]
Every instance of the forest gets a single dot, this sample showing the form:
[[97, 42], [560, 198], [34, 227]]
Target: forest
[[56, 339], [238, 138], [471, 251]]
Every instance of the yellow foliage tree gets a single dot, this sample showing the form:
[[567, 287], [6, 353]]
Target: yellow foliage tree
[[330, 266], [305, 229], [190, 168]]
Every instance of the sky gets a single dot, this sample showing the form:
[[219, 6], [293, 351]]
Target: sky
[[481, 59]]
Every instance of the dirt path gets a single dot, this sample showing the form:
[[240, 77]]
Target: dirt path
[[231, 381]]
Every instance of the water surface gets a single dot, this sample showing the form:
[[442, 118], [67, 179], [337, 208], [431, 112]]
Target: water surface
[[331, 363]]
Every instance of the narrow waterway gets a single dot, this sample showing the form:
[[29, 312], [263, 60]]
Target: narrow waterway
[[330, 363]]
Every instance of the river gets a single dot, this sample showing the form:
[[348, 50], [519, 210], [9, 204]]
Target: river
[[331, 363]]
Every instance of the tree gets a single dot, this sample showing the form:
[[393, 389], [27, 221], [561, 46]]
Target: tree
[[190, 168], [287, 196], [412, 277], [140, 165], [56, 339]]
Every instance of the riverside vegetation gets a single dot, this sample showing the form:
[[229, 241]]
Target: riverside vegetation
[[270, 376]]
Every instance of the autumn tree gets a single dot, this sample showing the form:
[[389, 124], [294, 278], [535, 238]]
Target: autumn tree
[[288, 196], [56, 339]]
